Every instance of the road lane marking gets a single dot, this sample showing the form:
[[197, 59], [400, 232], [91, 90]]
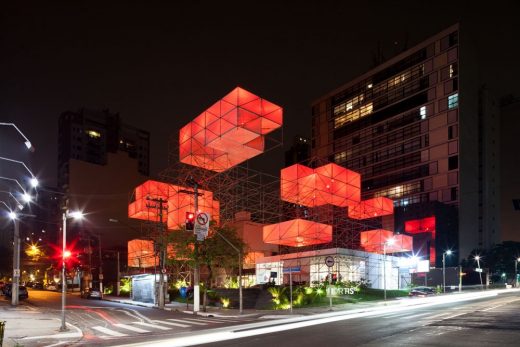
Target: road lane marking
[[152, 326], [171, 323], [204, 320], [455, 315], [416, 315], [184, 321], [109, 331], [129, 327]]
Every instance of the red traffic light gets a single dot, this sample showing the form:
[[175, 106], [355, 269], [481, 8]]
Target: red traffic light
[[190, 220], [67, 254]]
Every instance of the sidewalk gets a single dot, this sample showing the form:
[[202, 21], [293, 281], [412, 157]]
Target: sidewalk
[[19, 318], [212, 311]]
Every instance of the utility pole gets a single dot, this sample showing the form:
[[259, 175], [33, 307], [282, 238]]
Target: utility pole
[[196, 271], [100, 266], [161, 206]]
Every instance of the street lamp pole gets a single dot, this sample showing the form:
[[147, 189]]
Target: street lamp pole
[[63, 281], [16, 263], [444, 254], [516, 271], [477, 258]]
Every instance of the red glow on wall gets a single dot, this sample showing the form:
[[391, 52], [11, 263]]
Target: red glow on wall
[[374, 241], [327, 184], [297, 233], [420, 225], [141, 254], [177, 203], [371, 208], [229, 132]]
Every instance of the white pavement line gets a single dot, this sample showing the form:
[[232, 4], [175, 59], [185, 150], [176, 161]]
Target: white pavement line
[[78, 333], [492, 307], [129, 327], [57, 344], [184, 321], [171, 323], [416, 315], [146, 319], [152, 326], [436, 316], [455, 315], [109, 331], [203, 320]]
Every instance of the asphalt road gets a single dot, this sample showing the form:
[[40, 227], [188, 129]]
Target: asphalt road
[[486, 322], [104, 323]]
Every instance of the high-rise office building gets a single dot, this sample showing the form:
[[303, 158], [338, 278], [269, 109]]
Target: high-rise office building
[[420, 132], [88, 136]]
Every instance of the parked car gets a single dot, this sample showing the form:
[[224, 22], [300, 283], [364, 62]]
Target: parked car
[[92, 293], [6, 289], [421, 291], [51, 286], [22, 292], [38, 285]]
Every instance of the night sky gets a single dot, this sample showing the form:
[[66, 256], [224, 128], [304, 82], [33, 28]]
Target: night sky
[[159, 64]]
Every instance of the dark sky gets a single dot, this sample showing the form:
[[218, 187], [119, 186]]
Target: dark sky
[[159, 64]]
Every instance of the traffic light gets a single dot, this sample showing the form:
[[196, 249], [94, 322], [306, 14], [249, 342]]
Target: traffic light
[[190, 220]]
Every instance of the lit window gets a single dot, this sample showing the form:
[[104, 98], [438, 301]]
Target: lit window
[[369, 86], [94, 134], [422, 111], [451, 71], [453, 101], [340, 157]]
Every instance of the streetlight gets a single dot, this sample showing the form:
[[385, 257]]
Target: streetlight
[[516, 271], [477, 258], [444, 254], [28, 143], [65, 254], [34, 181], [388, 242]]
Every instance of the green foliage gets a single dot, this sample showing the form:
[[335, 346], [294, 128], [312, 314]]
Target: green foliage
[[231, 283], [108, 290], [126, 286]]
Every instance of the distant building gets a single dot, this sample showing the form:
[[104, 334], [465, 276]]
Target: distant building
[[88, 136], [510, 176], [420, 130], [100, 161], [299, 152]]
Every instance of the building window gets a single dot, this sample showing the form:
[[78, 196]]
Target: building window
[[340, 157], [94, 134], [422, 111], [453, 101], [453, 193], [453, 162], [516, 204]]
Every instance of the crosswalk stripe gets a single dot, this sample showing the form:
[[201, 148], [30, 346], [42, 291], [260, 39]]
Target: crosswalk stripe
[[129, 327], [109, 331], [171, 323], [153, 326], [183, 321]]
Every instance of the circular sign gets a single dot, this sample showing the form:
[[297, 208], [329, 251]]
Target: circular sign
[[202, 218], [163, 271], [329, 261]]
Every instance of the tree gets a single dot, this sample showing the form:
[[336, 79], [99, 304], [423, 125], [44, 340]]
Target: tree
[[214, 252], [499, 259]]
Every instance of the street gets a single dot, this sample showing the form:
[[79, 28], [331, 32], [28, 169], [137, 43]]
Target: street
[[482, 321], [480, 318], [100, 322]]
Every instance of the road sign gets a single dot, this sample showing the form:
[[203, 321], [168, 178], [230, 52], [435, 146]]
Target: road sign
[[100, 276], [478, 270], [329, 261], [163, 271], [292, 269], [16, 272], [201, 226]]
